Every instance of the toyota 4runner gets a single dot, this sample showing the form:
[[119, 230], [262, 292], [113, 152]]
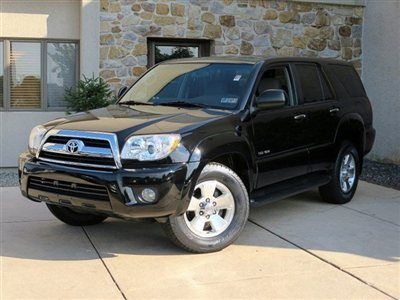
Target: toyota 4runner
[[195, 142]]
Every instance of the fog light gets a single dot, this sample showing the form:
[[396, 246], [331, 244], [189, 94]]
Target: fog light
[[148, 195]]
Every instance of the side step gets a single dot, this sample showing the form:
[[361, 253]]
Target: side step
[[288, 188]]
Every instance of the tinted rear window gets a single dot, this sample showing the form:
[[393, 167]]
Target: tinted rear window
[[346, 81], [309, 82]]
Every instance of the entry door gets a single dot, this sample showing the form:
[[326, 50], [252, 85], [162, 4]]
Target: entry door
[[322, 111], [279, 134]]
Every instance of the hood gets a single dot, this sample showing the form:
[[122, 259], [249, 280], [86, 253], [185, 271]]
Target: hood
[[138, 119]]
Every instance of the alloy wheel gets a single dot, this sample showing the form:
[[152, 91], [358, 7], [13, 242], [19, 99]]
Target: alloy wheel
[[347, 174], [211, 209]]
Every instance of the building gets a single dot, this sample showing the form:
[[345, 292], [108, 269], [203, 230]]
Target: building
[[45, 46]]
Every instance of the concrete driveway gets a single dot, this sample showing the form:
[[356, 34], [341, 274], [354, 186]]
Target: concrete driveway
[[297, 248]]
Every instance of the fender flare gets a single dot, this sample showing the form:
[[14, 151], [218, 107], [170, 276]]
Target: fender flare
[[228, 142], [349, 118], [211, 147]]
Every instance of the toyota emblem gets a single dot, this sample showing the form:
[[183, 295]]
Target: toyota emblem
[[74, 146]]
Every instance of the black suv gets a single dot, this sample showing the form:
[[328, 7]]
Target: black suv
[[195, 142]]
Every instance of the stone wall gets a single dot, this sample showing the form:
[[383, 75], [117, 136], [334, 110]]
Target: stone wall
[[236, 27]]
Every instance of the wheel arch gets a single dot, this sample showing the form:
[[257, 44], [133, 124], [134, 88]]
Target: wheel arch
[[351, 128], [230, 149]]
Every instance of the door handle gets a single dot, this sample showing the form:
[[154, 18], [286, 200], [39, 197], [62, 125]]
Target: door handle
[[300, 117], [333, 110]]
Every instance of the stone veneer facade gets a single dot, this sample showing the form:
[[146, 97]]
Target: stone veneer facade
[[236, 27]]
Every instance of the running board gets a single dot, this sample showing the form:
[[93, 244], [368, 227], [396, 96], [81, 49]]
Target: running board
[[282, 190]]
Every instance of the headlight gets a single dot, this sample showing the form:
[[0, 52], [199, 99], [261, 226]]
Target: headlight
[[35, 138], [150, 147]]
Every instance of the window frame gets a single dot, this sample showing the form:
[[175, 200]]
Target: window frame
[[333, 78], [300, 93], [323, 76], [289, 76], [43, 72], [204, 46]]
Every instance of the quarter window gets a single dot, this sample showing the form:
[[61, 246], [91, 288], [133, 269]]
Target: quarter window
[[34, 74], [346, 80], [309, 83]]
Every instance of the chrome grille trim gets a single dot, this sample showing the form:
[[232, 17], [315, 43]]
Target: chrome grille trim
[[113, 152], [86, 151]]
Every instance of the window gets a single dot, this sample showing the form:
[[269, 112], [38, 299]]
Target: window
[[328, 95], [35, 73], [214, 85], [346, 81], [25, 75], [310, 84], [274, 78], [160, 49], [61, 71]]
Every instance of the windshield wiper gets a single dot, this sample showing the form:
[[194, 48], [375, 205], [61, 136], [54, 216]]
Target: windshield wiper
[[132, 102], [182, 104]]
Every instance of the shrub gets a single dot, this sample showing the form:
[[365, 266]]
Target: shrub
[[89, 93]]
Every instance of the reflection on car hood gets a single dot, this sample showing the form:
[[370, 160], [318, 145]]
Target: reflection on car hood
[[138, 119]]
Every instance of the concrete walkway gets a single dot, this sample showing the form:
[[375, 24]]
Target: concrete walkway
[[297, 248]]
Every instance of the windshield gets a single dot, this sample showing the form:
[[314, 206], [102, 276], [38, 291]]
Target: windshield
[[214, 85]]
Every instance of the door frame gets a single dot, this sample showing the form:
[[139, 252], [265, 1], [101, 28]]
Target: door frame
[[318, 149], [289, 70], [291, 109]]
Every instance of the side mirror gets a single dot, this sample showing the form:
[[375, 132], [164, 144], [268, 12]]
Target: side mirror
[[122, 92], [271, 99]]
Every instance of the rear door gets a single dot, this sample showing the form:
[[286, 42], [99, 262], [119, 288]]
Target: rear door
[[278, 134], [322, 112]]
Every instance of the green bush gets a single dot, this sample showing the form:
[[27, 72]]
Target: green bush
[[89, 93]]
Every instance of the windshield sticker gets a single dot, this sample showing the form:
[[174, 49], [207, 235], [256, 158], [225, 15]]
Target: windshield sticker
[[229, 100], [237, 77]]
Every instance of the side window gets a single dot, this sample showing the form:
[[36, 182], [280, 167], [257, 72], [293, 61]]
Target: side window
[[346, 81], [328, 95], [309, 81], [274, 78]]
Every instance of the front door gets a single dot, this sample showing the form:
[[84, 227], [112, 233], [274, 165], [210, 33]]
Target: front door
[[279, 134]]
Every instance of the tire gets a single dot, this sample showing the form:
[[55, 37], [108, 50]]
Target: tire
[[74, 218], [334, 192], [229, 201]]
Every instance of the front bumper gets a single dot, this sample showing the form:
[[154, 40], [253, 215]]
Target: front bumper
[[172, 183]]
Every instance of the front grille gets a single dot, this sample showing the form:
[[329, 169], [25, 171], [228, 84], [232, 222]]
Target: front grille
[[79, 190], [88, 142], [98, 161], [93, 150]]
